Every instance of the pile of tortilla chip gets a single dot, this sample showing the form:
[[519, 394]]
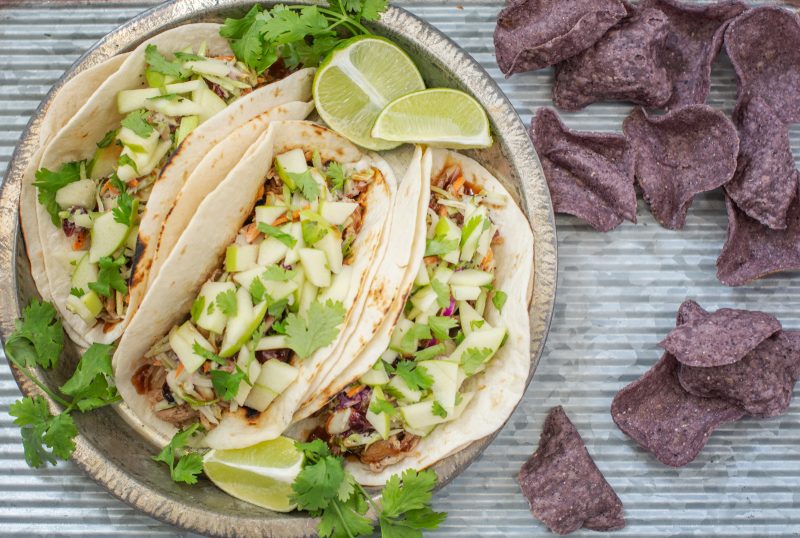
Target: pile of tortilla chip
[[658, 54], [562, 484], [717, 368]]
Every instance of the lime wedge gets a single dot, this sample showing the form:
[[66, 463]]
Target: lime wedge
[[438, 117], [261, 474], [357, 80]]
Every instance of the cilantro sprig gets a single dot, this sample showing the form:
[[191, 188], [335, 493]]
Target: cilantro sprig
[[328, 491], [184, 466], [38, 341], [49, 182], [319, 327]]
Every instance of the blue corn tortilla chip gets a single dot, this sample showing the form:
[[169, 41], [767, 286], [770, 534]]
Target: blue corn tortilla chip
[[766, 178], [764, 47], [564, 487], [664, 419], [532, 34], [590, 175], [687, 151], [723, 337], [693, 42], [761, 383], [625, 65], [753, 251]]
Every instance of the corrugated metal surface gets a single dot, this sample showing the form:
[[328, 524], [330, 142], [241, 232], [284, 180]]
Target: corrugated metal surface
[[618, 293]]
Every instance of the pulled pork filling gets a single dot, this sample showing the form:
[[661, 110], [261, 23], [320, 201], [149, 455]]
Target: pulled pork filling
[[289, 262], [440, 342]]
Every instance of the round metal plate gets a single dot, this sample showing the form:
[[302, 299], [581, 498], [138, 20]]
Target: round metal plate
[[115, 455]]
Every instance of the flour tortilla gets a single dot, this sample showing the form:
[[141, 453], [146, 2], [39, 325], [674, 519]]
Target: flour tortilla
[[500, 387], [99, 115], [200, 249]]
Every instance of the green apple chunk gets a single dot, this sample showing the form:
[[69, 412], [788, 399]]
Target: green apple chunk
[[294, 229], [471, 233], [188, 124], [445, 377], [423, 298], [240, 258], [308, 294], [484, 338], [402, 327], [315, 266], [275, 341], [241, 326], [130, 100], [401, 389], [269, 214], [465, 293], [422, 278], [380, 421], [175, 107], [139, 145], [79, 193], [271, 251], [208, 102], [291, 162], [182, 341], [104, 161], [213, 67], [331, 245], [420, 416], [84, 273], [337, 213], [340, 285], [484, 243], [216, 320], [274, 378], [448, 231], [469, 318], [107, 236], [87, 306], [376, 376], [471, 277]]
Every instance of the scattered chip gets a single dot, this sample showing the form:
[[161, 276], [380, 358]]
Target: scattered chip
[[752, 250], [723, 337], [693, 42], [590, 175], [766, 178], [532, 34], [624, 65], [657, 413], [679, 155], [764, 46], [564, 488]]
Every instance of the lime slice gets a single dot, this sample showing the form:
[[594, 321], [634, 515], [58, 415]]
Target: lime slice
[[261, 474], [357, 80], [438, 117]]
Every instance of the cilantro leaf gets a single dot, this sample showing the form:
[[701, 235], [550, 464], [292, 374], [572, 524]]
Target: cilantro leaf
[[257, 290], [305, 183], [345, 519], [476, 324], [499, 300], [226, 302], [208, 354], [245, 38], [336, 175], [126, 210], [317, 485], [405, 507], [410, 340], [469, 227], [158, 63], [278, 234], [197, 308], [313, 231], [415, 376], [379, 405], [109, 277], [137, 122], [437, 247], [473, 358], [107, 139], [189, 471], [438, 410], [38, 337], [188, 468], [371, 9], [125, 160], [91, 386], [226, 384], [48, 183], [278, 274], [442, 293], [430, 352], [314, 449], [318, 329], [77, 292], [441, 325], [40, 430]]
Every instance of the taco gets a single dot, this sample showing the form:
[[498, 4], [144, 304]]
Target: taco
[[457, 359], [271, 274], [107, 179]]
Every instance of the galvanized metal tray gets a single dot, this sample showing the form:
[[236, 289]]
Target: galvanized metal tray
[[108, 449], [618, 293]]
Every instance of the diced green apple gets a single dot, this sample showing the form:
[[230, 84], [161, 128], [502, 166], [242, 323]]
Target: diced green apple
[[375, 376], [450, 231], [79, 193], [274, 378], [271, 251], [389, 356], [87, 306], [104, 161], [423, 298], [85, 220], [422, 278], [188, 124], [420, 416], [471, 277], [269, 213], [466, 398], [465, 293], [480, 302], [380, 421], [468, 316], [130, 100], [403, 391], [275, 341], [216, 68], [259, 398], [84, 273], [278, 290], [182, 342], [241, 326], [291, 162], [175, 107], [294, 229], [216, 320], [337, 213], [240, 258], [308, 294], [445, 377], [443, 274], [315, 266], [107, 236], [484, 242], [484, 338], [340, 285], [208, 102], [400, 329], [470, 235], [139, 144], [331, 245]]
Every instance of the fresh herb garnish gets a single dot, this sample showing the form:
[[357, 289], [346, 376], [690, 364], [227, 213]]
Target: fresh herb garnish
[[313, 231], [197, 308], [257, 290], [305, 183], [48, 183], [438, 246], [127, 206], [441, 325], [188, 466], [317, 329], [125, 160], [499, 299], [277, 233], [473, 359], [77, 292], [408, 343], [415, 376], [379, 405], [207, 354], [278, 274], [226, 302], [137, 122], [438, 410], [226, 384], [336, 175], [442, 292], [158, 63], [109, 277], [107, 139], [430, 352]]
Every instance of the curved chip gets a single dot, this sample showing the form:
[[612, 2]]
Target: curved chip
[[590, 175], [764, 47], [752, 250], [532, 34], [664, 419], [685, 152], [563, 486], [723, 337], [624, 65], [766, 178], [761, 383], [693, 42]]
